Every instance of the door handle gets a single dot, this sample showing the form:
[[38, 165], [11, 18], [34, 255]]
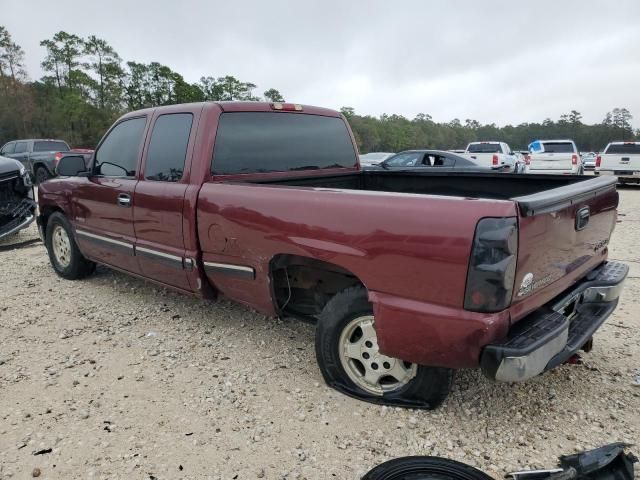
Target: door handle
[[124, 200]]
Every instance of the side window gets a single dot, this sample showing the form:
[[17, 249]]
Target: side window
[[117, 156], [8, 148], [168, 147], [442, 161], [21, 147]]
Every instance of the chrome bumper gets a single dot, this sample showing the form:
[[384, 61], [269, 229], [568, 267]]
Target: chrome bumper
[[551, 335]]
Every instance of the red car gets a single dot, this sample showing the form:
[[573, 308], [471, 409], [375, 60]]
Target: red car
[[409, 276]]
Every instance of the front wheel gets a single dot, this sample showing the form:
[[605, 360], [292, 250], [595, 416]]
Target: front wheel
[[350, 361], [64, 255]]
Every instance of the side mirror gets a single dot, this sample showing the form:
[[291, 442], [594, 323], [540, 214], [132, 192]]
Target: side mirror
[[71, 166]]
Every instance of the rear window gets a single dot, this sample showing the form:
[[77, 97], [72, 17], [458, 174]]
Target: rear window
[[48, 146], [558, 147], [484, 148], [624, 149], [258, 142]]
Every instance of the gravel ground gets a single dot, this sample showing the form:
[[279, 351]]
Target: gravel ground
[[119, 379]]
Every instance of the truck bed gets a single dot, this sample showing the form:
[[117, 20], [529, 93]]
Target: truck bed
[[533, 193]]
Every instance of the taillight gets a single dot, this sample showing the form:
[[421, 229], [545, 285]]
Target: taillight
[[57, 157], [492, 265], [527, 159], [494, 160], [598, 161], [574, 159]]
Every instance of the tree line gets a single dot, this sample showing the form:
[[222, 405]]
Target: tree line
[[87, 85]]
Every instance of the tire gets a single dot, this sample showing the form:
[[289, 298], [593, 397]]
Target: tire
[[64, 255], [347, 361], [42, 175], [425, 468]]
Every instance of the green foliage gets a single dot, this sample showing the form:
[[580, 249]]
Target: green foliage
[[393, 133], [87, 86], [273, 95]]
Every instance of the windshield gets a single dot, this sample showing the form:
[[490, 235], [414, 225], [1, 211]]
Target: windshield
[[484, 148], [624, 149], [50, 146], [410, 159]]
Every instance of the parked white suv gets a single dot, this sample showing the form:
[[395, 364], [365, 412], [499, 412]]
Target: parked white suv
[[558, 157], [621, 159], [492, 154]]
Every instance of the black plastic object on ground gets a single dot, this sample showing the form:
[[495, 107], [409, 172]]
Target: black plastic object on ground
[[425, 468], [609, 462]]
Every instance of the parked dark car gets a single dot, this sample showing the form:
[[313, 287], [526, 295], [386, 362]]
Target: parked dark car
[[41, 156], [432, 159], [407, 274], [17, 208]]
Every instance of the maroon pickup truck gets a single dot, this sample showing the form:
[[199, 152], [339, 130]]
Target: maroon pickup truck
[[407, 275]]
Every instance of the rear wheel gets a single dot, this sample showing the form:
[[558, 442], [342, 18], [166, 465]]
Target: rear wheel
[[425, 468], [42, 175], [350, 360], [64, 255]]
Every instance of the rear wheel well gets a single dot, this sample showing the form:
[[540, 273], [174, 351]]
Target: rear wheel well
[[302, 286]]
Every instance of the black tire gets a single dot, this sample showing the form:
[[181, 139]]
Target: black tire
[[42, 175], [79, 266], [425, 468], [427, 389]]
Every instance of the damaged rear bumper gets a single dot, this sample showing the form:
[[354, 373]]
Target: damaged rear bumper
[[551, 335]]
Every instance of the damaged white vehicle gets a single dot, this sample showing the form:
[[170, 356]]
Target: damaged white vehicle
[[17, 205]]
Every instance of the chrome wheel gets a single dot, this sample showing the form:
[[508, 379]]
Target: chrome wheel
[[61, 246], [366, 366]]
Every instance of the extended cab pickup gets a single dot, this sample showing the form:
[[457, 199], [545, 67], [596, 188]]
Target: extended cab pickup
[[493, 154], [621, 159], [407, 275]]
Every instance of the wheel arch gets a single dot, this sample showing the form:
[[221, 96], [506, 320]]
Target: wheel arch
[[301, 286]]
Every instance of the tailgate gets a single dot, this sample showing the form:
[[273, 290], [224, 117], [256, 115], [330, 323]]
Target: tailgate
[[563, 234], [550, 161], [620, 162]]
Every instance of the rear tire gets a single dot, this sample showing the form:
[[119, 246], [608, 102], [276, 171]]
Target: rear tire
[[419, 468], [42, 175], [348, 357], [64, 255]]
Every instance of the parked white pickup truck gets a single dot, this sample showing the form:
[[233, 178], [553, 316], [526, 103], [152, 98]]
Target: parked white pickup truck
[[621, 159], [558, 157], [488, 154]]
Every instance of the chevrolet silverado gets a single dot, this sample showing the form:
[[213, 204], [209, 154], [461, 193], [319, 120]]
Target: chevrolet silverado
[[621, 159], [408, 276]]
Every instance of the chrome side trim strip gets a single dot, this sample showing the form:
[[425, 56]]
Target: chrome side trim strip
[[100, 238], [231, 269], [166, 258], [156, 253]]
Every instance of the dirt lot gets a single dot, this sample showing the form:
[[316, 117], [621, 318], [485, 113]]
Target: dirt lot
[[123, 380]]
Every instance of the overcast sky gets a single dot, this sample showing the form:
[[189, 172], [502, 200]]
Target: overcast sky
[[494, 61]]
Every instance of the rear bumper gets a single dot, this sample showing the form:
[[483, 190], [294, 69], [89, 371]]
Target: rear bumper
[[559, 171], [551, 335], [623, 175]]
